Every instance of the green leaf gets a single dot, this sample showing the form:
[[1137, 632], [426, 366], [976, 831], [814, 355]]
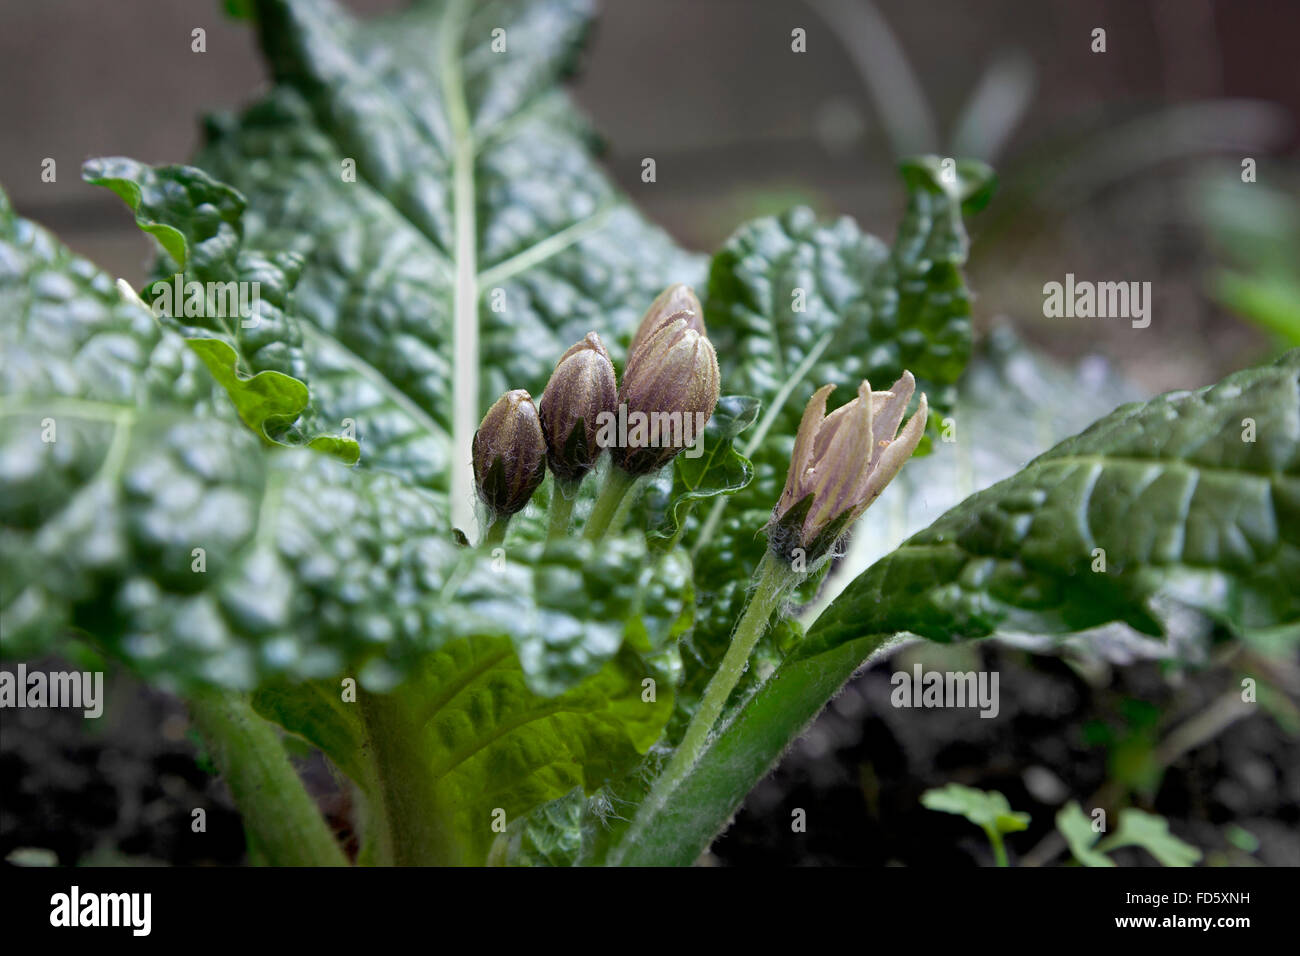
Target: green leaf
[[987, 809], [793, 304], [308, 572], [207, 283], [1080, 836], [569, 605], [718, 470], [456, 232], [1270, 301], [1150, 832], [552, 836], [468, 735], [137, 510], [303, 569], [1136, 828], [1241, 838]]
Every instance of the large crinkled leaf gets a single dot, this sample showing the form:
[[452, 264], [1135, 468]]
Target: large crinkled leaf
[[468, 735], [456, 232], [232, 303], [569, 605], [795, 302], [117, 465], [140, 511], [1183, 506], [80, 363], [551, 836], [68, 329], [143, 514]]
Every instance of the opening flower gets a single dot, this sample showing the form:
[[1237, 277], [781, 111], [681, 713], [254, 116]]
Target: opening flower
[[841, 464], [676, 301]]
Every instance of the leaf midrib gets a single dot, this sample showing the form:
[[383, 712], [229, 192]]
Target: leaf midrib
[[463, 265], [464, 415]]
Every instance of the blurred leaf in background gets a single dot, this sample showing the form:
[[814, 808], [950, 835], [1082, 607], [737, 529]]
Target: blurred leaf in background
[[1255, 229]]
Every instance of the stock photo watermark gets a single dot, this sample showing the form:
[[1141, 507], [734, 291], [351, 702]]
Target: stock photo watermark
[[946, 689], [1085, 299], [78, 690], [190, 299]]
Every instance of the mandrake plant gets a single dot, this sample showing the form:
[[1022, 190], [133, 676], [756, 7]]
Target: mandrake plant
[[343, 516]]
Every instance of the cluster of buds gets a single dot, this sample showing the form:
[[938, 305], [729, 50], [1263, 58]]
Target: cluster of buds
[[671, 378], [841, 464]]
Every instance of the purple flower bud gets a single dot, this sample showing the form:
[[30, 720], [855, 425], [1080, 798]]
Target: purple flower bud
[[509, 454], [670, 388], [581, 388]]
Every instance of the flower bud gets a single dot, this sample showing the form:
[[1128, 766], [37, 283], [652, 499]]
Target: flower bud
[[509, 454], [670, 388], [841, 463], [669, 305], [581, 388]]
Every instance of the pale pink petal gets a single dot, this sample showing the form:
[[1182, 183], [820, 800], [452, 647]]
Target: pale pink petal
[[841, 467], [887, 419], [801, 459], [893, 457]]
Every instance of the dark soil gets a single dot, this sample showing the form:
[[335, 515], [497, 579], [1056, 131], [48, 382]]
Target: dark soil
[[860, 770], [122, 789]]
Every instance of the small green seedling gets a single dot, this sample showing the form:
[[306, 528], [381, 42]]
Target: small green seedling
[[987, 809], [1147, 830]]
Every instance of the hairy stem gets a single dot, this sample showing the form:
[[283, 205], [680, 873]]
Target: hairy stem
[[772, 582], [284, 825], [563, 498], [405, 815], [496, 532], [617, 484]]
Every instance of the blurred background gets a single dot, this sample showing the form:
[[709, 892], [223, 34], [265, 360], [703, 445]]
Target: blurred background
[[1123, 165]]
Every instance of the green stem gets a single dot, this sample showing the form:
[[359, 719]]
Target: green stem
[[405, 816], [617, 484], [282, 820], [999, 850], [681, 526], [772, 582], [563, 498], [496, 532]]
